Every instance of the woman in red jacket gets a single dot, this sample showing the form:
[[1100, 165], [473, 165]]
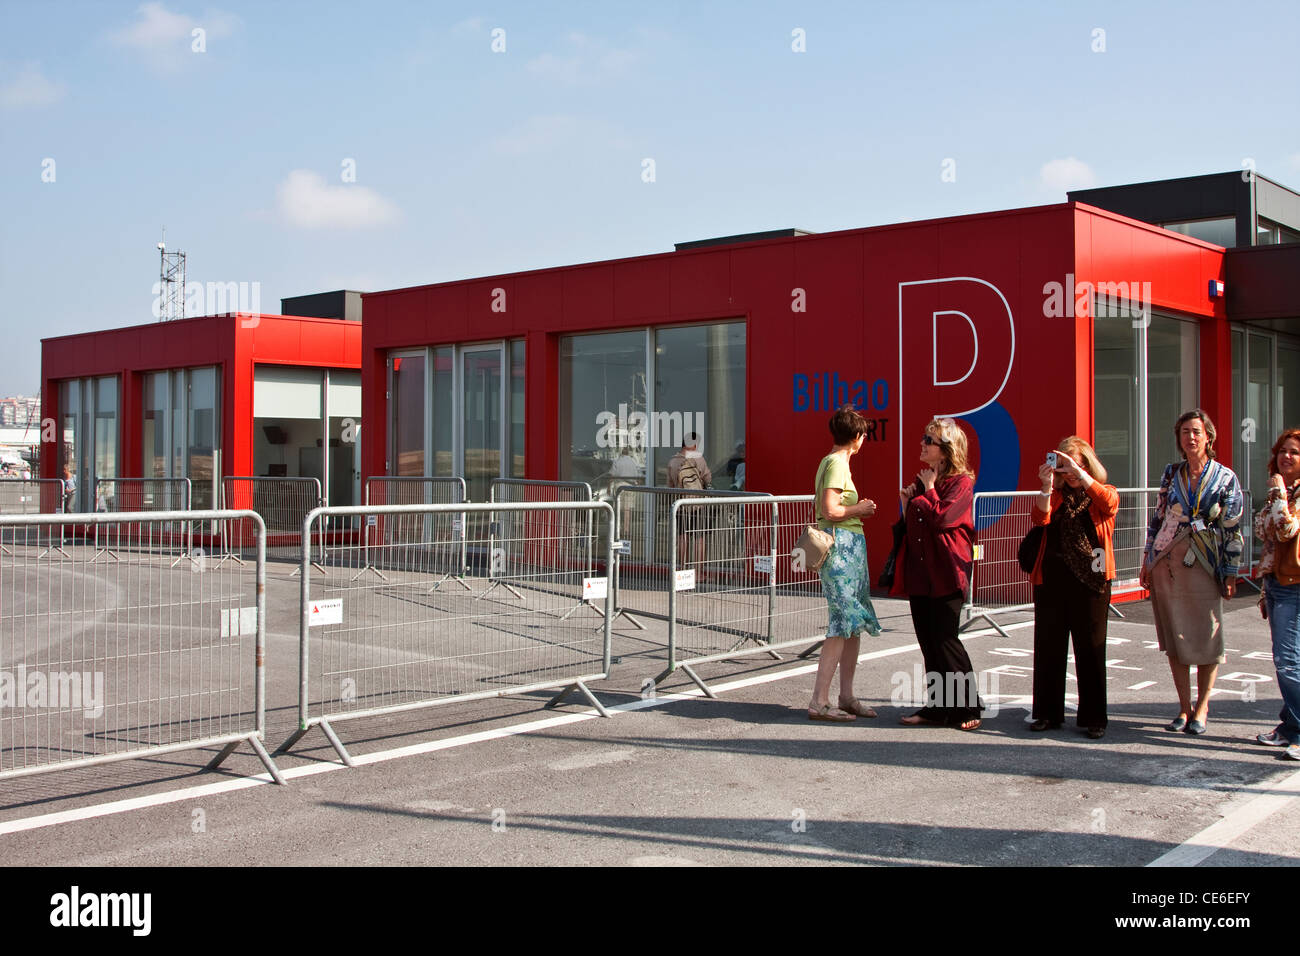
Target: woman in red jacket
[[933, 570], [1071, 578]]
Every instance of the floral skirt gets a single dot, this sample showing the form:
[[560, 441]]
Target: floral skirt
[[847, 587]]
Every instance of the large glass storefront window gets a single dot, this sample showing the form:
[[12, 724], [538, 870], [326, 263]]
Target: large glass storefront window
[[699, 374], [614, 429], [602, 386], [89, 413], [290, 432], [1266, 399], [1146, 375], [407, 399], [181, 429]]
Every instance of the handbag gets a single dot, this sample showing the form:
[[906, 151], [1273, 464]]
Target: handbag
[[813, 545], [886, 579], [1027, 555]]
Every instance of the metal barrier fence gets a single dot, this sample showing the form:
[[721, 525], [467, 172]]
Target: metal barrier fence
[[142, 494], [576, 531], [441, 534], [1136, 506], [644, 544], [735, 587], [30, 496], [370, 647], [145, 494], [283, 503], [105, 662], [1002, 520]]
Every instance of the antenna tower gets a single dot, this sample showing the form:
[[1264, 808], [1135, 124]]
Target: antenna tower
[[171, 281]]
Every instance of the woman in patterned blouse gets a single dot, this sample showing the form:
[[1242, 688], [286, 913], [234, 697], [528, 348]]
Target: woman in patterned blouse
[[1277, 526], [1193, 553]]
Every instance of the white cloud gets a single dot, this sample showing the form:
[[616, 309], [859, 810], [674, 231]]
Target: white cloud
[[1064, 174], [585, 59], [305, 200], [29, 89], [164, 39], [1294, 160]]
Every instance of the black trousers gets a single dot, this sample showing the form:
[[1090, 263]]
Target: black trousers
[[952, 695], [1065, 610]]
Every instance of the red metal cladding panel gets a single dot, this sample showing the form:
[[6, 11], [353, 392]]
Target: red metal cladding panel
[[491, 311], [588, 297], [540, 298], [764, 277], [443, 312], [640, 290], [701, 283]]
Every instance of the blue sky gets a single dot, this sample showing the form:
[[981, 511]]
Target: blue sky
[[473, 162]]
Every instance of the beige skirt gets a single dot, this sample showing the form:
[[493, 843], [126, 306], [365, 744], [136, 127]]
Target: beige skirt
[[1188, 609]]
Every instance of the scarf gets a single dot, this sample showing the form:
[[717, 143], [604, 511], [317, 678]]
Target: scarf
[[1079, 538]]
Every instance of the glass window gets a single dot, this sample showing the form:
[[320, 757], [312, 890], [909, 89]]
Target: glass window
[[106, 427], [602, 383], [444, 412], [1171, 389], [154, 435], [1221, 232], [345, 430], [1268, 233], [699, 377], [69, 412], [1115, 396], [407, 401], [287, 422], [481, 404], [203, 431]]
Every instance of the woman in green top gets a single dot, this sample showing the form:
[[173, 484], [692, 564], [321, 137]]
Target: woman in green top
[[844, 572]]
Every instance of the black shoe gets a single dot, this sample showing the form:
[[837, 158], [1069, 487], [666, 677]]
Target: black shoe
[[1095, 733], [1038, 726], [1177, 724]]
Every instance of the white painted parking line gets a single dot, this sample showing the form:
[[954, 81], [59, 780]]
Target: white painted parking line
[[1219, 835], [1142, 684]]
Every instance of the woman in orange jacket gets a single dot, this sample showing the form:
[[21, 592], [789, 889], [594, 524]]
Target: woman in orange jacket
[[1072, 579]]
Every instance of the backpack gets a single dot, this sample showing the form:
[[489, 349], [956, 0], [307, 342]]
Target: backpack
[[689, 475]]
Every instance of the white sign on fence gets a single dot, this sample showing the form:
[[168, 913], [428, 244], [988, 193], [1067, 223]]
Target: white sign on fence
[[685, 580], [325, 612], [593, 589], [763, 564], [372, 520]]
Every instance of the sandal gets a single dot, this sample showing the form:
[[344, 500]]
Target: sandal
[[832, 714], [972, 724], [857, 708]]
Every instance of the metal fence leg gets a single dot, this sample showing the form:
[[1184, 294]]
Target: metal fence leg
[[586, 692]]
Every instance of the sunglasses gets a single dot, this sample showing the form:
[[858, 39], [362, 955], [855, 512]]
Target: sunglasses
[[931, 440]]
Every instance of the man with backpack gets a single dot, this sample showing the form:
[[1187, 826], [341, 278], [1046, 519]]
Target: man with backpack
[[689, 471]]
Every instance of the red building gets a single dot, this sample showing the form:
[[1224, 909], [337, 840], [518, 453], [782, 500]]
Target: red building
[[1028, 325], [205, 397]]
